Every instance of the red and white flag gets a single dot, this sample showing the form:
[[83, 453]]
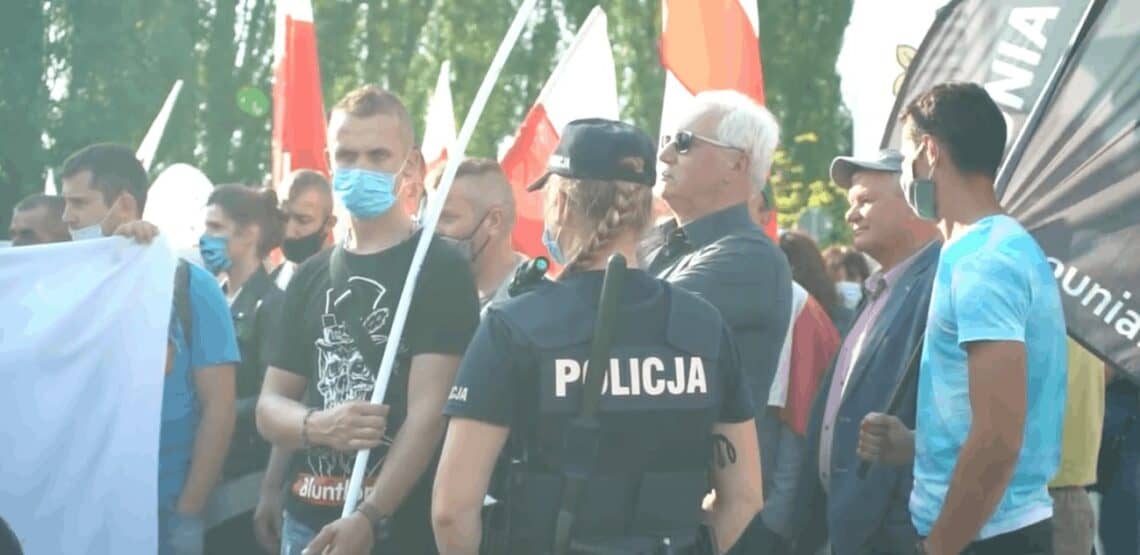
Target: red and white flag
[[439, 129], [583, 85], [298, 110], [709, 45]]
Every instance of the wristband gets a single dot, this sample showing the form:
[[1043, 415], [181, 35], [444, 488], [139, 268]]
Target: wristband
[[305, 429]]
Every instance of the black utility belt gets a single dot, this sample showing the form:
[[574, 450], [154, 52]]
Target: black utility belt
[[653, 505]]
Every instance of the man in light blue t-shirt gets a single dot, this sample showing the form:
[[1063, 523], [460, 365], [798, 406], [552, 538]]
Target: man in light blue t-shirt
[[104, 191], [992, 381]]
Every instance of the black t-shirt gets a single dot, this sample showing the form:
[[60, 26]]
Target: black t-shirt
[[315, 343], [524, 370]]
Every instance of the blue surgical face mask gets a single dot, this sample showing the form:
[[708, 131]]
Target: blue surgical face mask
[[919, 192], [366, 194], [552, 246], [214, 250]]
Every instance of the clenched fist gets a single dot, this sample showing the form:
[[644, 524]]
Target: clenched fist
[[885, 439]]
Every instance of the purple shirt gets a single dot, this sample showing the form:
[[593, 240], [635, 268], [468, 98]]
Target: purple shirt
[[878, 287]]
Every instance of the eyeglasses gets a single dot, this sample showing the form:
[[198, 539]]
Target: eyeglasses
[[683, 141]]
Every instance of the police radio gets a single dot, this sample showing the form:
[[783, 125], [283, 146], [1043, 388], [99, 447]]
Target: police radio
[[528, 275]]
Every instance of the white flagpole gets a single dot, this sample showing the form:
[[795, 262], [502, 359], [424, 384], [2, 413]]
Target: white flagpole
[[149, 145], [49, 183], [435, 206]]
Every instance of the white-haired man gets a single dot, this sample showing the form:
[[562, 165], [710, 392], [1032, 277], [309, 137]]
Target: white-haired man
[[717, 158]]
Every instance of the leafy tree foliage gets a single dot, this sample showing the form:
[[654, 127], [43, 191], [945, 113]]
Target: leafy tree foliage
[[84, 71]]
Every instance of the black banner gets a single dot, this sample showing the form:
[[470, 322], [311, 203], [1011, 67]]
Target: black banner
[[1074, 181], [1009, 46]]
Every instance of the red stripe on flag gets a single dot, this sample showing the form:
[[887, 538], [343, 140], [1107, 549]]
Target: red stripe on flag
[[298, 110], [772, 228], [523, 164], [710, 45], [814, 343]]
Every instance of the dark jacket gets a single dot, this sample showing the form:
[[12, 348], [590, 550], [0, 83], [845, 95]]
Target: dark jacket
[[732, 264], [869, 515], [256, 311]]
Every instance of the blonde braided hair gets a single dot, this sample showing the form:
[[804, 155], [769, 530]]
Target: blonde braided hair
[[611, 207]]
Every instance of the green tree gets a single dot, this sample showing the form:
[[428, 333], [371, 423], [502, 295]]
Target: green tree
[[78, 72], [799, 46], [23, 104]]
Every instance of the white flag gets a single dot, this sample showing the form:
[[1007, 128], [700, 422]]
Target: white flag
[[149, 145], [439, 128], [82, 350], [582, 85]]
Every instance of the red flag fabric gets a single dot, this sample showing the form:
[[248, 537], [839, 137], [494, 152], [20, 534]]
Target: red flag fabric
[[524, 163], [712, 45], [815, 341], [562, 100], [298, 109], [709, 45]]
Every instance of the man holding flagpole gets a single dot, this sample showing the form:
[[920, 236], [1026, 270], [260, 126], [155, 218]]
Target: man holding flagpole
[[339, 308]]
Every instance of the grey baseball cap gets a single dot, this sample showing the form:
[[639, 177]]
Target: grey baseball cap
[[843, 167]]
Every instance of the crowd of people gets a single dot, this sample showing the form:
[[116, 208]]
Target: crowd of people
[[745, 406]]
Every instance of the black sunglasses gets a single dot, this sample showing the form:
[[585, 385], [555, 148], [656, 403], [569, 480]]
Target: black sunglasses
[[683, 141]]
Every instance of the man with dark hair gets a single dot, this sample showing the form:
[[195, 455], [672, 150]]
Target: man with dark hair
[[478, 217], [104, 186], [104, 189], [992, 381], [338, 310], [38, 219], [309, 221]]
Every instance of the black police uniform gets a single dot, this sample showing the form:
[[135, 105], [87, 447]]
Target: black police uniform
[[674, 372]]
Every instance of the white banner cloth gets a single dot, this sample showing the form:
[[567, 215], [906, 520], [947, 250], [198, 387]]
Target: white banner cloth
[[83, 333]]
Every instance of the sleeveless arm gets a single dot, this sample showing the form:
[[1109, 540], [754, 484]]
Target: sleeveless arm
[[737, 485]]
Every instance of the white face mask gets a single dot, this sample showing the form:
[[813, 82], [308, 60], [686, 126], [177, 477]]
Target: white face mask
[[93, 231]]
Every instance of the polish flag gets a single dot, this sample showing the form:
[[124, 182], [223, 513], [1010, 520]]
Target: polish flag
[[298, 110], [709, 45], [583, 85], [439, 130]]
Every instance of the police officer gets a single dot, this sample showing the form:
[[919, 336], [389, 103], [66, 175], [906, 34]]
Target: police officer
[[672, 405]]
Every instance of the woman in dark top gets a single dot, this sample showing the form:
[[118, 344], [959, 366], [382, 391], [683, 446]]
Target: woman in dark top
[[809, 270], [242, 225]]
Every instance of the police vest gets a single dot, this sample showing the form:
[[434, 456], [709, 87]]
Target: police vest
[[662, 381]]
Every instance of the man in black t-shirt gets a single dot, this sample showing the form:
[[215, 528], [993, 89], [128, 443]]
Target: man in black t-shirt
[[344, 297]]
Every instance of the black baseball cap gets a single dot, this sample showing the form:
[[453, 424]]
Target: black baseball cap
[[595, 149], [843, 167]]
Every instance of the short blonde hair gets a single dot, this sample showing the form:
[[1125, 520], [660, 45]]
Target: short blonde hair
[[371, 100]]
